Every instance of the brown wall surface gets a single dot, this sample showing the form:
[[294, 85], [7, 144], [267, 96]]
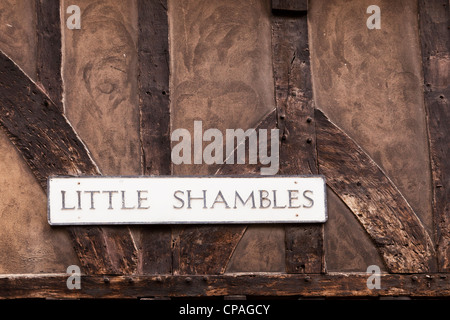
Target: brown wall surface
[[369, 83], [221, 68], [27, 243], [100, 81]]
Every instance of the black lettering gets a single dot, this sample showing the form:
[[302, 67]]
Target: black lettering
[[263, 198], [124, 206], [311, 201], [293, 198], [219, 194], [179, 199], [92, 198], [193, 198], [141, 199], [110, 198], [236, 196], [275, 200], [63, 199]]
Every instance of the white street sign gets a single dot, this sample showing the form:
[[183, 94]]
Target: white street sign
[[194, 200]]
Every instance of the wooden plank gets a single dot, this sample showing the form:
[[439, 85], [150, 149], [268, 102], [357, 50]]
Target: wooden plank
[[38, 128], [205, 249], [48, 50], [293, 94], [290, 5], [153, 55], [50, 146], [374, 200], [261, 284], [154, 105], [434, 22]]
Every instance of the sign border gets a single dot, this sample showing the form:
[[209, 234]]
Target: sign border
[[227, 222]]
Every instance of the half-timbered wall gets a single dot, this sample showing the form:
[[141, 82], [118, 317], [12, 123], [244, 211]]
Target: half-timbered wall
[[366, 108]]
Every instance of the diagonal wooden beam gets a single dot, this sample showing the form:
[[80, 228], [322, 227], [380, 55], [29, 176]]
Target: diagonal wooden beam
[[375, 201], [50, 146]]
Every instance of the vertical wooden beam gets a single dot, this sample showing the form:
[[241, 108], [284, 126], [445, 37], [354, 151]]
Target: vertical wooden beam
[[153, 79], [153, 52], [295, 110], [434, 21], [48, 31]]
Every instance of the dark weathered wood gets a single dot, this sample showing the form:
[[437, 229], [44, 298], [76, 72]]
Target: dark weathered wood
[[37, 127], [290, 5], [295, 111], [205, 249], [153, 51], [50, 146], [48, 51], [300, 285], [374, 200], [155, 249], [104, 250], [434, 36]]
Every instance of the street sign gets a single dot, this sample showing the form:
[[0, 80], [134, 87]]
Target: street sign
[[190, 200]]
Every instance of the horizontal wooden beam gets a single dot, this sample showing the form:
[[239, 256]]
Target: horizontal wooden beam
[[261, 284]]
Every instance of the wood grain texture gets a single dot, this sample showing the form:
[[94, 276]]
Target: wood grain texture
[[205, 249], [50, 146], [38, 128], [153, 77], [155, 251], [48, 49], [261, 284], [375, 201], [295, 110], [434, 37]]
